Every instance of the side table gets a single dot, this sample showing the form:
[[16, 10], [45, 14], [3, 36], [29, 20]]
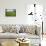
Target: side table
[[25, 43]]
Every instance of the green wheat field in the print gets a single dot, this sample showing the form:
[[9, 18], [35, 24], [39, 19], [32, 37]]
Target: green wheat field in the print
[[10, 12]]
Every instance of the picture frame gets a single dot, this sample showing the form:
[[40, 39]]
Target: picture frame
[[10, 12]]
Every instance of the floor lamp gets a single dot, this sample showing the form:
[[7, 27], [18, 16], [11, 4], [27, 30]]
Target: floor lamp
[[31, 13], [42, 26]]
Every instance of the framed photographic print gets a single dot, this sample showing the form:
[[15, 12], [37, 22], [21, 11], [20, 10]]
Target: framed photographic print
[[10, 12]]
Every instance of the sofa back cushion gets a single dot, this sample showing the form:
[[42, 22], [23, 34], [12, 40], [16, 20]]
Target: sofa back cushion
[[9, 28]]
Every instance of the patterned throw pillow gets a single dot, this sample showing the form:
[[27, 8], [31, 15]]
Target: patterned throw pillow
[[30, 29], [38, 30], [4, 27], [21, 29], [1, 30], [18, 27], [13, 29]]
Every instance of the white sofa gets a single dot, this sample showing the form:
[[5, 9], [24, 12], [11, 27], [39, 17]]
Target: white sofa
[[19, 31], [10, 31]]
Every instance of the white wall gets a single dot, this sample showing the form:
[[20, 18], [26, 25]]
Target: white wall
[[20, 6]]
